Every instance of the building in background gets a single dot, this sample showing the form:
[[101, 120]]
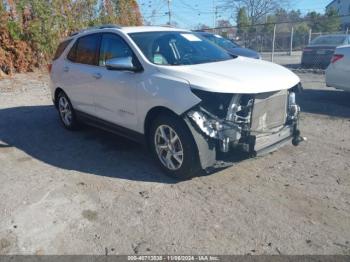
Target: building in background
[[343, 8]]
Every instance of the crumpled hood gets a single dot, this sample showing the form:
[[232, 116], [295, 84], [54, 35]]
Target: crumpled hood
[[238, 76]]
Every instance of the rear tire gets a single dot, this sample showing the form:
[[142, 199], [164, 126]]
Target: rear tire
[[173, 147], [66, 112]]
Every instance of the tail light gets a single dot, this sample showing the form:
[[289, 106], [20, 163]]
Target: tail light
[[336, 58], [49, 67]]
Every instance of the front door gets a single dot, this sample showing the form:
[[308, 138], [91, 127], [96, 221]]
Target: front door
[[115, 95]]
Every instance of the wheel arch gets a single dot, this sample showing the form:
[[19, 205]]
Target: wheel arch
[[153, 114]]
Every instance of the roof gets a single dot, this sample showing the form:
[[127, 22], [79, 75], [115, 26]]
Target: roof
[[130, 29], [141, 29]]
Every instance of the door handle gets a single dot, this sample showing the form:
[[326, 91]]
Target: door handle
[[97, 75], [66, 69]]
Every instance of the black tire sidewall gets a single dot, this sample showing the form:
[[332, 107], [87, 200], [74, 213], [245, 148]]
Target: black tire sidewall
[[190, 166], [74, 124]]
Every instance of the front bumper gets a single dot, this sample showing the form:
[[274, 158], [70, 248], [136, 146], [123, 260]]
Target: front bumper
[[212, 158], [262, 145], [259, 124]]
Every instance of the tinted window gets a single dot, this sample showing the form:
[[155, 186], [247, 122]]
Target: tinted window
[[113, 46], [178, 48], [223, 42], [85, 49], [61, 47], [72, 52]]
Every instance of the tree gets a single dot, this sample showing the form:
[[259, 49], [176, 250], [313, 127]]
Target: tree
[[128, 12], [314, 21], [256, 10], [30, 30], [331, 22], [242, 20]]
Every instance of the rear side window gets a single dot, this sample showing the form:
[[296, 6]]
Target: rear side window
[[61, 47], [85, 50]]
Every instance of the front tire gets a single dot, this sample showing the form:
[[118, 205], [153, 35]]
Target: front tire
[[66, 112], [173, 147]]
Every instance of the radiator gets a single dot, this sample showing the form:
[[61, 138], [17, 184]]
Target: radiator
[[269, 111]]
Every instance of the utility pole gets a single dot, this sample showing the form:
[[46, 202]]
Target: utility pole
[[291, 41], [214, 16], [169, 11]]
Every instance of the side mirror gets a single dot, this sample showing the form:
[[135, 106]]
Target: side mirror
[[121, 64]]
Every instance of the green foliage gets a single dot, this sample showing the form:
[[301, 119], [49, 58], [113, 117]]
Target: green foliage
[[332, 22], [269, 26], [2, 7], [43, 23], [329, 22], [14, 29], [242, 21]]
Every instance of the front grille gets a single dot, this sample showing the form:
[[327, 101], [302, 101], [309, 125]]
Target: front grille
[[269, 111]]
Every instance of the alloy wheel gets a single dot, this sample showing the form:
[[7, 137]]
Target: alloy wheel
[[169, 147], [65, 111]]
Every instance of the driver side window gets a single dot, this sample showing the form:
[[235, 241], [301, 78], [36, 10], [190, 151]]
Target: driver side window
[[113, 46]]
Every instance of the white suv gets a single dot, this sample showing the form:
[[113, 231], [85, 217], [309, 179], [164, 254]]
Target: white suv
[[186, 98]]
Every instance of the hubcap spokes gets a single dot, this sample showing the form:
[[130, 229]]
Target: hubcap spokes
[[65, 111], [169, 147]]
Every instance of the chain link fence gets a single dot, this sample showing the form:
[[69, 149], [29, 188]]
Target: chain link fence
[[288, 44]]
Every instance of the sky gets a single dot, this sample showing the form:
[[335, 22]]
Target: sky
[[189, 13]]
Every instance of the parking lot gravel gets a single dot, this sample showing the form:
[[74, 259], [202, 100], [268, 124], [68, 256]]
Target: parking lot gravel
[[90, 192]]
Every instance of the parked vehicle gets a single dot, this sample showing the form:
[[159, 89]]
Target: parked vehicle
[[182, 95], [338, 72], [319, 52], [230, 46]]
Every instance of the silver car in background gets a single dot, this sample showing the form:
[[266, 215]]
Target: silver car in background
[[338, 72]]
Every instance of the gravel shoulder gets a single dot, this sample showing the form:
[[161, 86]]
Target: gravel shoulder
[[90, 192]]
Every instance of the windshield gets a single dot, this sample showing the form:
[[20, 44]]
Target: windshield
[[178, 48], [329, 40], [221, 41]]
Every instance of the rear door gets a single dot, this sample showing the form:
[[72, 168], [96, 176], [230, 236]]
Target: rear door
[[79, 72]]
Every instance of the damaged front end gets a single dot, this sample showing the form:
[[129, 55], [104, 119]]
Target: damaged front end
[[253, 123]]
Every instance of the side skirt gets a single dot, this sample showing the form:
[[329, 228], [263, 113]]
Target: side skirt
[[110, 127]]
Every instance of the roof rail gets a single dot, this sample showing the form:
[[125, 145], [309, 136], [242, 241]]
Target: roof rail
[[96, 27], [109, 26]]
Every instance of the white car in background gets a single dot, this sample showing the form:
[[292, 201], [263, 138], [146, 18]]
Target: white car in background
[[338, 72], [185, 97]]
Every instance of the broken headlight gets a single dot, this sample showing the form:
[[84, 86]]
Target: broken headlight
[[222, 116]]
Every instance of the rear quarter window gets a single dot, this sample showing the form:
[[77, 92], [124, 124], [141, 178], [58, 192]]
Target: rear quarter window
[[61, 47]]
